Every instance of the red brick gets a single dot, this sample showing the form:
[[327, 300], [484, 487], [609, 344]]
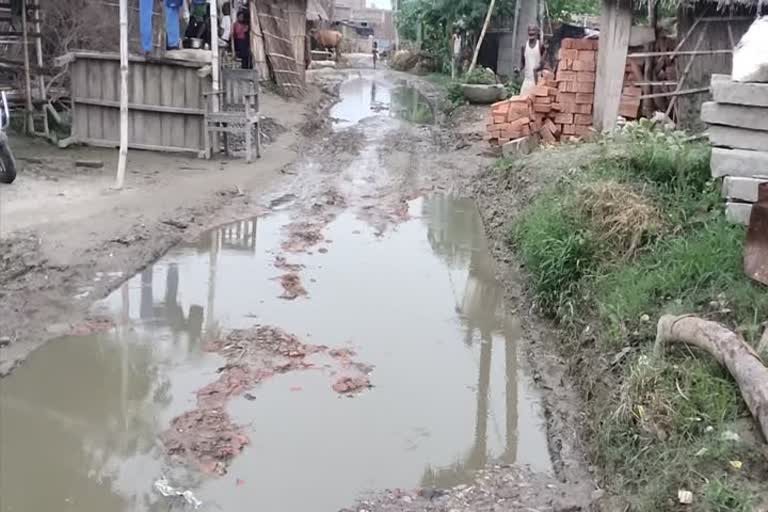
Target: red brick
[[587, 56], [584, 132], [547, 75], [564, 118], [628, 111], [568, 43], [582, 119], [551, 126], [543, 108], [566, 76], [585, 76], [568, 54], [547, 136], [584, 98], [584, 109], [587, 87], [556, 107], [516, 125], [499, 118], [569, 129], [632, 91], [583, 65]]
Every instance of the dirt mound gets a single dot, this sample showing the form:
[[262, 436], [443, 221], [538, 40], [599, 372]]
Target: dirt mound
[[404, 60], [206, 437]]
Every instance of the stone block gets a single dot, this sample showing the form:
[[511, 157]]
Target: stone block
[[739, 138], [742, 189], [738, 213], [739, 163], [754, 118], [725, 90]]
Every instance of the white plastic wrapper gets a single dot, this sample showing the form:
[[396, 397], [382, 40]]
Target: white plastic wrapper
[[750, 57], [163, 487]]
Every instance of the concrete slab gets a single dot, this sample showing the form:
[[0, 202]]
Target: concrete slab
[[742, 189], [755, 118], [521, 146], [738, 213], [739, 163], [725, 90], [741, 138]]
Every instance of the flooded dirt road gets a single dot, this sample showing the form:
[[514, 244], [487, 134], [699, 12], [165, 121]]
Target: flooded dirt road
[[352, 337]]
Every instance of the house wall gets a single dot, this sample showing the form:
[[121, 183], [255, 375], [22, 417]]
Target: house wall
[[717, 35]]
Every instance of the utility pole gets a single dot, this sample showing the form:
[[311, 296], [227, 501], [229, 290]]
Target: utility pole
[[123, 156]]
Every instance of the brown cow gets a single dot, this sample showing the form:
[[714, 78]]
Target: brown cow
[[328, 39]]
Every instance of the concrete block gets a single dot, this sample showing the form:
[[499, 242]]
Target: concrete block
[[755, 118], [739, 163], [738, 213], [725, 90], [738, 138], [742, 189], [519, 147]]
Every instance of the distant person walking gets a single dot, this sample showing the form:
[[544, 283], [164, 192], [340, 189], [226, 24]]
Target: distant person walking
[[532, 59], [375, 52]]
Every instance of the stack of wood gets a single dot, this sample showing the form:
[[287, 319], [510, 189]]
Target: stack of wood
[[559, 106], [738, 132]]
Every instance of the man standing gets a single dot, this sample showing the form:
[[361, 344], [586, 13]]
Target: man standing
[[532, 59]]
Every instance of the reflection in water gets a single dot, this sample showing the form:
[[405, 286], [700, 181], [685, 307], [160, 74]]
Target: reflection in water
[[364, 97], [89, 435], [455, 232]]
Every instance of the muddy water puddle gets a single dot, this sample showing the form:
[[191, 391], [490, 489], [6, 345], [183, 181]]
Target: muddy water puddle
[[82, 422], [362, 97]]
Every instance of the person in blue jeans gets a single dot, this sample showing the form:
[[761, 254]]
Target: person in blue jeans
[[172, 19]]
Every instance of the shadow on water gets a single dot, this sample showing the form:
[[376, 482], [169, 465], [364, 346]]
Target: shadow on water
[[79, 423], [362, 97]]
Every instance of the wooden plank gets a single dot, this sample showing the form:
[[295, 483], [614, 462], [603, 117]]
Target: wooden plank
[[738, 163], [165, 79], [725, 90], [141, 107], [739, 138], [683, 92], [137, 97], [755, 118], [616, 20], [178, 135], [79, 85], [742, 189], [93, 90], [152, 132], [134, 59], [102, 143]]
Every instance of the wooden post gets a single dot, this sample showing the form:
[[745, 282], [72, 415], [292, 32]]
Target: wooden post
[[615, 25], [123, 156], [482, 35], [27, 79], [215, 69]]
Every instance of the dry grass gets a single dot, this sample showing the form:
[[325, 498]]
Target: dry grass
[[621, 217]]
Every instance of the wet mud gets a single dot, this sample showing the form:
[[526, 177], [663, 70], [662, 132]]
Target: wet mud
[[403, 371]]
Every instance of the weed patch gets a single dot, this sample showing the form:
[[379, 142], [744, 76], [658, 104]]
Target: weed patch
[[639, 233]]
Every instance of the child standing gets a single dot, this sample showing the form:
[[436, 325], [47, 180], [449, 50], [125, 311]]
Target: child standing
[[241, 35]]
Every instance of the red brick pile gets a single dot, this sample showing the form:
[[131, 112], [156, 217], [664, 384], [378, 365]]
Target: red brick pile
[[629, 107], [559, 106]]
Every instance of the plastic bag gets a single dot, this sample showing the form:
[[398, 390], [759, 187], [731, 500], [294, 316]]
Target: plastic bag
[[750, 58], [163, 487]]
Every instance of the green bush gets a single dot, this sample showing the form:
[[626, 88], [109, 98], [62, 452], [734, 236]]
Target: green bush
[[480, 76]]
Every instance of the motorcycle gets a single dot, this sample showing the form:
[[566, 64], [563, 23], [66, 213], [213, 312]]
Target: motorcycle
[[7, 162]]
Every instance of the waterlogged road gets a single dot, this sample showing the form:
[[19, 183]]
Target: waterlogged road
[[351, 338]]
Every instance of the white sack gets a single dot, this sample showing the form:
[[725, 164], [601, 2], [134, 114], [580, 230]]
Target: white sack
[[750, 57]]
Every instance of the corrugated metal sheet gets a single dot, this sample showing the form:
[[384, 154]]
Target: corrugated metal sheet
[[166, 105]]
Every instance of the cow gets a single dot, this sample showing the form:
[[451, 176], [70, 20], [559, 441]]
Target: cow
[[327, 40]]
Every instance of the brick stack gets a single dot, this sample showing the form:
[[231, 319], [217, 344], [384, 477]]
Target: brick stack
[[559, 106], [576, 77], [629, 107]]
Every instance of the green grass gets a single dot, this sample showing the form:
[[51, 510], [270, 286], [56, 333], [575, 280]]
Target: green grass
[[655, 424]]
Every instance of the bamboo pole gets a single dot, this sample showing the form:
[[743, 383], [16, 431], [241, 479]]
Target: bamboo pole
[[40, 79], [27, 78], [215, 68], [482, 35], [123, 156], [685, 71]]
